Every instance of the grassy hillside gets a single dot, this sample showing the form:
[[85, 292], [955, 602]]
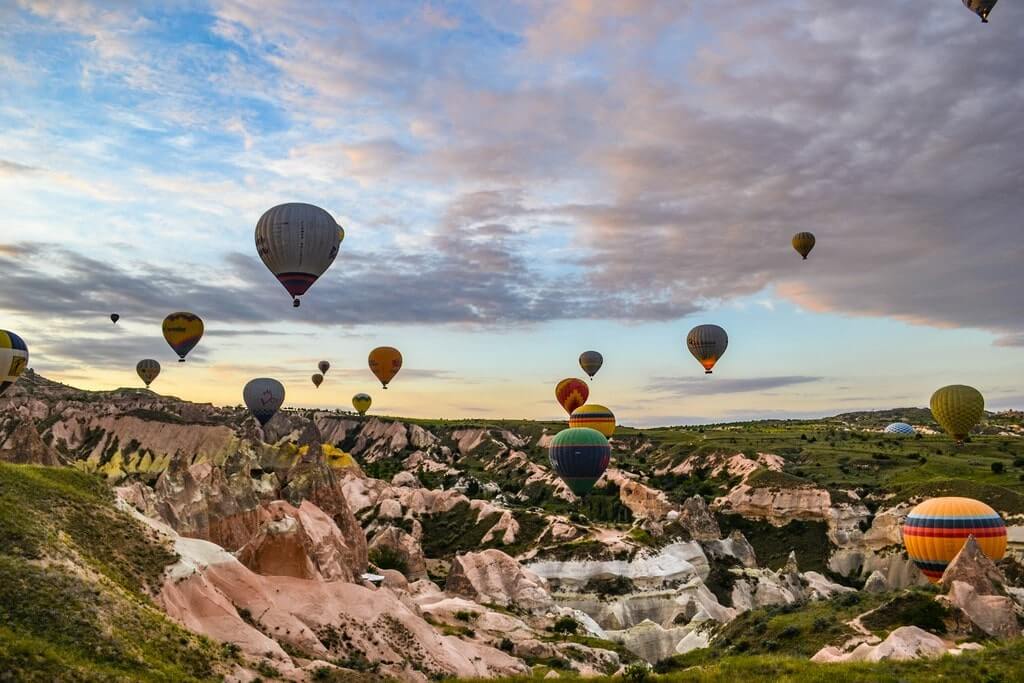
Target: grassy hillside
[[832, 454], [997, 663], [75, 579]]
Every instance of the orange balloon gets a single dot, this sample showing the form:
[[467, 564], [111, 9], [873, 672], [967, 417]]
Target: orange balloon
[[572, 393], [385, 362]]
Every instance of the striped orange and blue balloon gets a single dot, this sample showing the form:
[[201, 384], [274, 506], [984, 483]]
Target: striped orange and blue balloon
[[594, 416], [938, 528], [579, 455]]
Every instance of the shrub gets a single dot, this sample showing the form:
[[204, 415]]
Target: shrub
[[506, 645], [384, 557], [566, 624], [637, 672], [464, 615], [998, 468], [790, 632]]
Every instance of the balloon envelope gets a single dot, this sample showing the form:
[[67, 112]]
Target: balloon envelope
[[318, 379], [981, 7], [707, 343], [114, 317], [323, 366], [803, 242], [147, 369], [937, 529], [263, 396], [594, 416], [900, 428], [579, 456], [183, 331], [361, 402], [297, 243], [571, 393], [958, 408], [591, 362], [13, 359], [385, 362]]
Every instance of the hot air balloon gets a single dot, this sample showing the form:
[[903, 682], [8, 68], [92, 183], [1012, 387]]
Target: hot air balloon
[[114, 317], [385, 362], [361, 402], [981, 7], [13, 359], [579, 456], [147, 369], [594, 416], [937, 529], [318, 379], [591, 362], [803, 242], [323, 366], [707, 343], [183, 331], [958, 409], [263, 396], [901, 428], [572, 393], [298, 242]]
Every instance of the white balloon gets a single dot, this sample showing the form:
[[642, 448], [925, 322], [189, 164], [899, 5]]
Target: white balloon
[[298, 243]]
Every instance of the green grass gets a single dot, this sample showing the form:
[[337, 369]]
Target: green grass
[[75, 580], [772, 545], [917, 607], [997, 663], [455, 531], [794, 630]]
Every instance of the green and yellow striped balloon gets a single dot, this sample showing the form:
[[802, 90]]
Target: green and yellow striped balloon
[[958, 408]]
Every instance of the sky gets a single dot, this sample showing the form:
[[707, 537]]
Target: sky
[[520, 182]]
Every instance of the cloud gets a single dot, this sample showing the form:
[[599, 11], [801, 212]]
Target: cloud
[[634, 160], [1010, 340], [13, 168], [682, 387]]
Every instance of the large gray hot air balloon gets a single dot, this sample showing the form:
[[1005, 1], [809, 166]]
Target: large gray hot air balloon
[[707, 343], [147, 369], [981, 7], [298, 242], [591, 362], [263, 396]]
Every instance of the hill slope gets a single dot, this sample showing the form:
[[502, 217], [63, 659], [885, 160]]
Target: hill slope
[[75, 581]]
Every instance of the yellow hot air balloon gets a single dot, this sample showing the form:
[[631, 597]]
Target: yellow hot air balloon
[[594, 416], [958, 408], [147, 370], [13, 359], [803, 242], [937, 529], [385, 362], [183, 331], [361, 402]]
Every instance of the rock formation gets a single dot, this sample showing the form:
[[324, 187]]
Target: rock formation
[[212, 593], [405, 547], [303, 542], [24, 446], [906, 642], [491, 576]]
